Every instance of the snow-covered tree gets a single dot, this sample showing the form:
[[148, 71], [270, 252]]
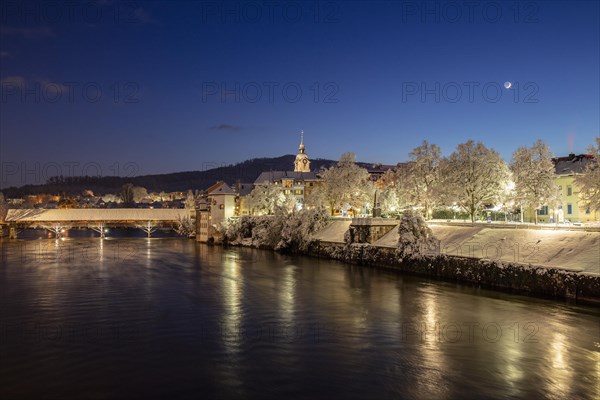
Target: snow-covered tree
[[185, 226], [299, 227], [415, 238], [533, 175], [346, 184], [190, 200], [139, 193], [389, 201], [474, 176], [266, 199], [589, 181], [110, 198], [422, 180]]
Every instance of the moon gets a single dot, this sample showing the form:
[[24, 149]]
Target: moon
[[507, 85]]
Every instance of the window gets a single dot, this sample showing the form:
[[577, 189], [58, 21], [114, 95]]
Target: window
[[560, 188], [569, 190], [298, 191], [222, 206], [287, 183], [569, 209], [287, 191], [543, 211], [587, 210]]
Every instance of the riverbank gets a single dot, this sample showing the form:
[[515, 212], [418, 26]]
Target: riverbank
[[549, 263]]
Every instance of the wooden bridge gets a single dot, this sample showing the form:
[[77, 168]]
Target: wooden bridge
[[61, 220]]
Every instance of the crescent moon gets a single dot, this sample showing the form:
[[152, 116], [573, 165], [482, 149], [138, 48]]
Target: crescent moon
[[507, 85]]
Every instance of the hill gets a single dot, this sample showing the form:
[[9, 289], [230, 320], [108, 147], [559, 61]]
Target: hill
[[246, 171]]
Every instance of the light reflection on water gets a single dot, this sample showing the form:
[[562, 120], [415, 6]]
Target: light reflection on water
[[152, 317]]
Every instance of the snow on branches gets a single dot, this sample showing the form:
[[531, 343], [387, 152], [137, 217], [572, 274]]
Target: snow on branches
[[415, 238]]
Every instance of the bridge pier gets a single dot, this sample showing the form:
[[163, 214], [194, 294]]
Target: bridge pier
[[148, 228], [100, 229]]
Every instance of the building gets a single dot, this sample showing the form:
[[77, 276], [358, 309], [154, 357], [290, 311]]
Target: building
[[242, 190], [221, 201], [302, 162], [570, 206], [298, 182]]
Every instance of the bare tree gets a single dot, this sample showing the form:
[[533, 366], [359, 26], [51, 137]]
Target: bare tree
[[474, 176], [127, 194], [589, 181], [533, 175]]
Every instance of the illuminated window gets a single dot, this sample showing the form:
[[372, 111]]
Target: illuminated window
[[287, 191], [298, 191], [222, 206]]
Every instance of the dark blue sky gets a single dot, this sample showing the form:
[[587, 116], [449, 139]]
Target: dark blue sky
[[188, 85]]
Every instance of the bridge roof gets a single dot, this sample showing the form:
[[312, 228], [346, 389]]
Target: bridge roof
[[96, 214]]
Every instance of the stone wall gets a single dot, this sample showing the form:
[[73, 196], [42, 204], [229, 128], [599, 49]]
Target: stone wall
[[527, 279]]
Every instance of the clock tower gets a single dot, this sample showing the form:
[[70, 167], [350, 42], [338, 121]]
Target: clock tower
[[302, 163]]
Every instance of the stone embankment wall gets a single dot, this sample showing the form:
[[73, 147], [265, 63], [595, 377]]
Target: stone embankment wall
[[526, 279]]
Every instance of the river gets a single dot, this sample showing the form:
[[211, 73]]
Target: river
[[170, 318]]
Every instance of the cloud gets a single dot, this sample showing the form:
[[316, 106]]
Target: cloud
[[225, 127], [26, 31]]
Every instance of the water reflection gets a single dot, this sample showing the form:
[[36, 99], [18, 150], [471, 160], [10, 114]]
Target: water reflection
[[231, 284], [212, 322], [560, 379], [287, 295]]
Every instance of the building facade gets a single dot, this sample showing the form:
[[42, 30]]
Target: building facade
[[570, 207]]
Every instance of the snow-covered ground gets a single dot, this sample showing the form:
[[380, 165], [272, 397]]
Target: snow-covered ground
[[573, 250], [334, 232]]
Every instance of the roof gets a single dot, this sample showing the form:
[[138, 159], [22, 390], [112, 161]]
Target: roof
[[276, 176], [380, 168], [572, 164], [220, 188], [95, 214], [244, 189]]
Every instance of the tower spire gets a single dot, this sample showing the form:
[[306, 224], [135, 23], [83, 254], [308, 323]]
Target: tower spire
[[301, 141], [302, 163]]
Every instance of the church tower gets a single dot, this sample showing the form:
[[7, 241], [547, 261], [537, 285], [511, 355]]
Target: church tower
[[302, 163]]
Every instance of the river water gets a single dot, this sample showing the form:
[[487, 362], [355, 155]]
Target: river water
[[170, 318]]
